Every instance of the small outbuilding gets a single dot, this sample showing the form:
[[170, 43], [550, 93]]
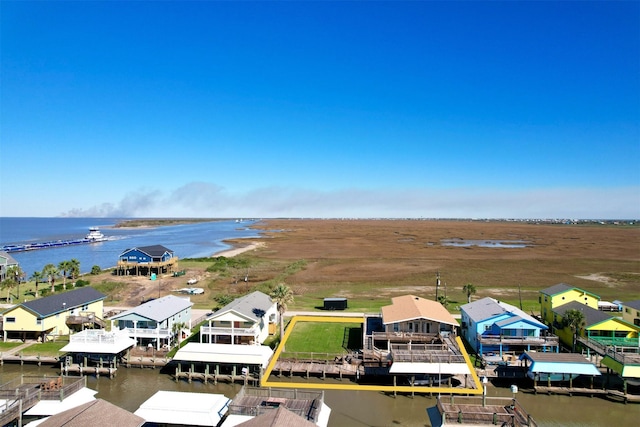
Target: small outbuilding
[[335, 303]]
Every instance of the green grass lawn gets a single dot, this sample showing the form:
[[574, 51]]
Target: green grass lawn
[[330, 339], [5, 346], [47, 349]]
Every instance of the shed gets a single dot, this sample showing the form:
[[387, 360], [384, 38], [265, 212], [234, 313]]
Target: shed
[[335, 303]]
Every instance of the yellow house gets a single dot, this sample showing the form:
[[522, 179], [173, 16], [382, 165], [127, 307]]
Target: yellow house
[[561, 294], [54, 315], [598, 325], [631, 312]]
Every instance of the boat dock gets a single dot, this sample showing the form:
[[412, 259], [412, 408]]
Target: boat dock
[[20, 394], [319, 368], [215, 376], [486, 411], [611, 394]]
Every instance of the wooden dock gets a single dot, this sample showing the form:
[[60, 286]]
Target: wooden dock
[[615, 395], [317, 368]]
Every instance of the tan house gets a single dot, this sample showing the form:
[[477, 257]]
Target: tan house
[[631, 312], [57, 314], [416, 315]]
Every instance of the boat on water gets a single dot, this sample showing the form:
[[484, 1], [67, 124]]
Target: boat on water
[[94, 236]]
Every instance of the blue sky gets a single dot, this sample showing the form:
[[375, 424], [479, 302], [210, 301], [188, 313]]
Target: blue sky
[[320, 109]]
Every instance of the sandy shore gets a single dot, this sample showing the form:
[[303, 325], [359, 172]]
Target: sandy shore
[[229, 253]]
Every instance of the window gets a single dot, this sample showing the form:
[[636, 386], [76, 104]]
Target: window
[[38, 321], [487, 327], [10, 319]]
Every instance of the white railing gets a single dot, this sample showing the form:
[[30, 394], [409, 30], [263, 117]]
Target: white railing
[[99, 336], [148, 333], [216, 330]]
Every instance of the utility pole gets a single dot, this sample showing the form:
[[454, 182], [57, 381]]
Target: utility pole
[[437, 284]]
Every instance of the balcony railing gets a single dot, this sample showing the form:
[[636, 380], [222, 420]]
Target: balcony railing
[[216, 330], [148, 333], [550, 340]]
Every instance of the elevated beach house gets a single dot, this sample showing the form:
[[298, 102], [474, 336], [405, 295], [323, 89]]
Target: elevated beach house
[[631, 312], [156, 322], [246, 320], [493, 327], [598, 325], [6, 261], [57, 314], [560, 294], [146, 261], [418, 342]]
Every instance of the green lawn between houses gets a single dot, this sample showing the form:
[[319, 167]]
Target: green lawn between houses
[[47, 349], [324, 340]]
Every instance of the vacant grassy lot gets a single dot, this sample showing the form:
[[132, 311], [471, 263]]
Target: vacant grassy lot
[[323, 339]]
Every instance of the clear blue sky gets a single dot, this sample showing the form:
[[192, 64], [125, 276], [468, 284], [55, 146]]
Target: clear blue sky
[[506, 109]]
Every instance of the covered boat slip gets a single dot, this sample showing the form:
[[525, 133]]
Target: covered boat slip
[[211, 361], [559, 367], [184, 408], [96, 351]]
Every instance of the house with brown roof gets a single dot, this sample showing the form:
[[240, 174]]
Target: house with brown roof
[[97, 413], [410, 314]]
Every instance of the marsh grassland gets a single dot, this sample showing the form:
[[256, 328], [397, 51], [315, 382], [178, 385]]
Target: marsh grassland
[[371, 261]]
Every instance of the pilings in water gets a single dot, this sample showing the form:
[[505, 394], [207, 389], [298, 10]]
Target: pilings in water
[[244, 376]]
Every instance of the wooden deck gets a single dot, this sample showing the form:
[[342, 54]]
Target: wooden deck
[[489, 411], [616, 395], [317, 368]]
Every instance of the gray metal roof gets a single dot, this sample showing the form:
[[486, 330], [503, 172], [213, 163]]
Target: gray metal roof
[[635, 304], [45, 307], [158, 309], [254, 305], [591, 315], [556, 289], [486, 308]]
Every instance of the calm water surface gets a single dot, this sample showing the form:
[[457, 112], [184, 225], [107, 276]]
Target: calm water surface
[[132, 387], [186, 240]]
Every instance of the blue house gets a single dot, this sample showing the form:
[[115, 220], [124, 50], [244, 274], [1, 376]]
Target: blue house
[[493, 327], [146, 260], [156, 322]]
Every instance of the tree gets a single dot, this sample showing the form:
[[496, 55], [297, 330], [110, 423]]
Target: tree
[[18, 275], [95, 270], [469, 289], [222, 300], [36, 277], [65, 267], [282, 295], [8, 283], [574, 319], [75, 268], [50, 271]]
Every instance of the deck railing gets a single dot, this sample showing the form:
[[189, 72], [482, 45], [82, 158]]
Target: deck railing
[[217, 330], [472, 411], [148, 333], [550, 340]]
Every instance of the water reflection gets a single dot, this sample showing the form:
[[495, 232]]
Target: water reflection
[[467, 243], [131, 387]]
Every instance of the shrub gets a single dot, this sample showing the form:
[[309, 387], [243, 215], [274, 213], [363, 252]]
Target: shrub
[[96, 270]]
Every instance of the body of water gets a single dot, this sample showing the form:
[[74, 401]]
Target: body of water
[[186, 240], [132, 386]]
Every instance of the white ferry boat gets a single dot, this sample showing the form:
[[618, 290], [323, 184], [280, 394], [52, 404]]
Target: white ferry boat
[[95, 235]]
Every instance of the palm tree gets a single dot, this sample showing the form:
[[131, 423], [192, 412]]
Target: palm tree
[[282, 295], [65, 267], [37, 277], [50, 271], [469, 289], [574, 319], [16, 272], [75, 268], [8, 283]]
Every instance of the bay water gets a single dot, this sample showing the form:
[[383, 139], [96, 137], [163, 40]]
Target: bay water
[[201, 239]]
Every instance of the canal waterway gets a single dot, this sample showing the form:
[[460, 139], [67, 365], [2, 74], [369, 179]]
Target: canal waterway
[[132, 386]]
